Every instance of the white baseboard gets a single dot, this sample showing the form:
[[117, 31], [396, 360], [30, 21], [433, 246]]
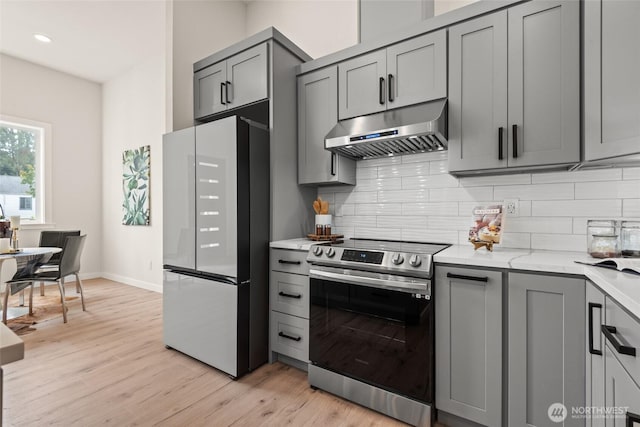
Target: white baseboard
[[132, 282]]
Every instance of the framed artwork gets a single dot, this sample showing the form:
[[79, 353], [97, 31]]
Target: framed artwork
[[135, 186]]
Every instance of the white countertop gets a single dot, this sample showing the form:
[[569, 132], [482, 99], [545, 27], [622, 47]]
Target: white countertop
[[302, 244], [11, 346], [623, 287]]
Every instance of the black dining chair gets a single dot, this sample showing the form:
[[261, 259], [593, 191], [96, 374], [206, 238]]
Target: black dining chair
[[54, 239], [69, 264]]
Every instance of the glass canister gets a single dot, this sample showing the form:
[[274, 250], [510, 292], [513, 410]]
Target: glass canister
[[602, 238], [630, 239]]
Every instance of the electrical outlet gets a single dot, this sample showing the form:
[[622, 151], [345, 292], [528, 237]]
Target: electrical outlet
[[512, 207]]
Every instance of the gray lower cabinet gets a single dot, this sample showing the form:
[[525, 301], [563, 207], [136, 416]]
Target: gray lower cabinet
[[622, 393], [468, 306], [317, 115], [234, 82], [514, 88], [594, 362], [546, 343], [289, 304], [611, 83], [406, 73]]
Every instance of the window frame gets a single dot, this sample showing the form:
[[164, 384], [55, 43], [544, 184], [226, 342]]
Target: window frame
[[44, 148]]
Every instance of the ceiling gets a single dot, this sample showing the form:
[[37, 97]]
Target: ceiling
[[93, 39]]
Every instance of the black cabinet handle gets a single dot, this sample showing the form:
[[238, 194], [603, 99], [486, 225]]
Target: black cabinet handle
[[514, 130], [286, 261], [390, 87], [381, 94], [333, 164], [592, 350], [222, 91], [609, 332], [632, 419], [500, 132], [226, 91], [284, 294], [283, 335], [463, 277]]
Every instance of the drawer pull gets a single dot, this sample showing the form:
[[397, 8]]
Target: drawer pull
[[284, 294], [290, 337], [593, 305], [609, 332], [286, 261], [463, 277]]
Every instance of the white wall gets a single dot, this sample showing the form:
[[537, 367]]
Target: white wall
[[414, 198], [200, 28], [134, 115], [319, 27], [73, 108]]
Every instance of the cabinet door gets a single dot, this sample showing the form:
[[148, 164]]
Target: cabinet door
[[611, 83], [317, 115], [469, 344], [621, 392], [546, 347], [478, 94], [417, 70], [247, 77], [595, 318], [362, 85], [544, 83], [208, 90]]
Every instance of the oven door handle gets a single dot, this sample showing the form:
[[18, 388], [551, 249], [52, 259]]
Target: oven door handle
[[412, 287]]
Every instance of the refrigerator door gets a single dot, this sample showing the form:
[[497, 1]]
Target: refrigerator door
[[201, 320], [178, 182], [216, 198]]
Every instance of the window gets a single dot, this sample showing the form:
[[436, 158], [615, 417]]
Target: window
[[22, 168]]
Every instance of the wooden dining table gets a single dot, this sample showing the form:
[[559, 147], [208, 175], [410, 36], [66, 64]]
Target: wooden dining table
[[28, 261]]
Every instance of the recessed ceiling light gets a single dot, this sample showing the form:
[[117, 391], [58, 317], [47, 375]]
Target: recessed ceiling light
[[42, 38]]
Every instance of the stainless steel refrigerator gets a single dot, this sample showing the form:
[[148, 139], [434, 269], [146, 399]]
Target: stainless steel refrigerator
[[215, 243]]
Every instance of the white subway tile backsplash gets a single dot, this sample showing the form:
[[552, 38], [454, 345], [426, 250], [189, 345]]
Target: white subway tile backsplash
[[515, 240], [409, 169], [571, 208], [366, 173], [608, 190], [577, 176], [345, 209], [377, 233], [450, 222], [379, 209], [430, 208], [534, 192], [403, 196], [355, 221], [424, 157], [383, 161], [357, 197], [438, 166], [412, 222], [631, 173], [559, 242], [478, 181], [631, 208], [429, 181], [549, 225], [428, 235], [461, 194], [379, 184]]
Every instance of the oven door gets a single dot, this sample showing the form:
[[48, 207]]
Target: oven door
[[375, 328]]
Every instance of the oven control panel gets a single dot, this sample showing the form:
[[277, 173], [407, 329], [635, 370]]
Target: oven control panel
[[368, 257]]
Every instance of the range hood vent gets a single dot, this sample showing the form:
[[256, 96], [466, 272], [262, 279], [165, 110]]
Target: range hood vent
[[409, 130]]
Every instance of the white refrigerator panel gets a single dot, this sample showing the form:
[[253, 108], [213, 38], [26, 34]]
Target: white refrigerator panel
[[216, 197], [201, 319]]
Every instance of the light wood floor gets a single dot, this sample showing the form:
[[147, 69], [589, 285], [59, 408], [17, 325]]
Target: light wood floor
[[108, 365]]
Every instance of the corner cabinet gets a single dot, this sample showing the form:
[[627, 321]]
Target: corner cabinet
[[406, 73], [514, 88], [317, 115], [468, 306], [546, 347], [234, 82], [611, 83]]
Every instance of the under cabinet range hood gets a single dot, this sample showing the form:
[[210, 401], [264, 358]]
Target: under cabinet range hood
[[407, 130]]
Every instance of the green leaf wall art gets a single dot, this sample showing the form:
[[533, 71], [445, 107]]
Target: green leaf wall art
[[135, 186]]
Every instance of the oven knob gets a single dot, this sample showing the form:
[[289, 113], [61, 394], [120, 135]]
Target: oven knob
[[415, 261], [330, 252], [317, 250], [397, 259]]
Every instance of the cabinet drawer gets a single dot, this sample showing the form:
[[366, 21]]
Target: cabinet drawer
[[627, 333], [290, 293], [289, 261], [290, 336]]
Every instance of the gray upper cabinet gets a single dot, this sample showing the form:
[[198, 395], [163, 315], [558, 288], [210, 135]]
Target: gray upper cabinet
[[317, 115], [469, 344], [537, 46], [546, 347], [406, 73], [234, 82], [611, 83]]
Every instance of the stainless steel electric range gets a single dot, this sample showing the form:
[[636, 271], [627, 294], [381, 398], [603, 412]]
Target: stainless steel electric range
[[372, 325]]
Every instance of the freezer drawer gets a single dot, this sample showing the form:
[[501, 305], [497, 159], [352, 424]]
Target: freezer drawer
[[200, 320]]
